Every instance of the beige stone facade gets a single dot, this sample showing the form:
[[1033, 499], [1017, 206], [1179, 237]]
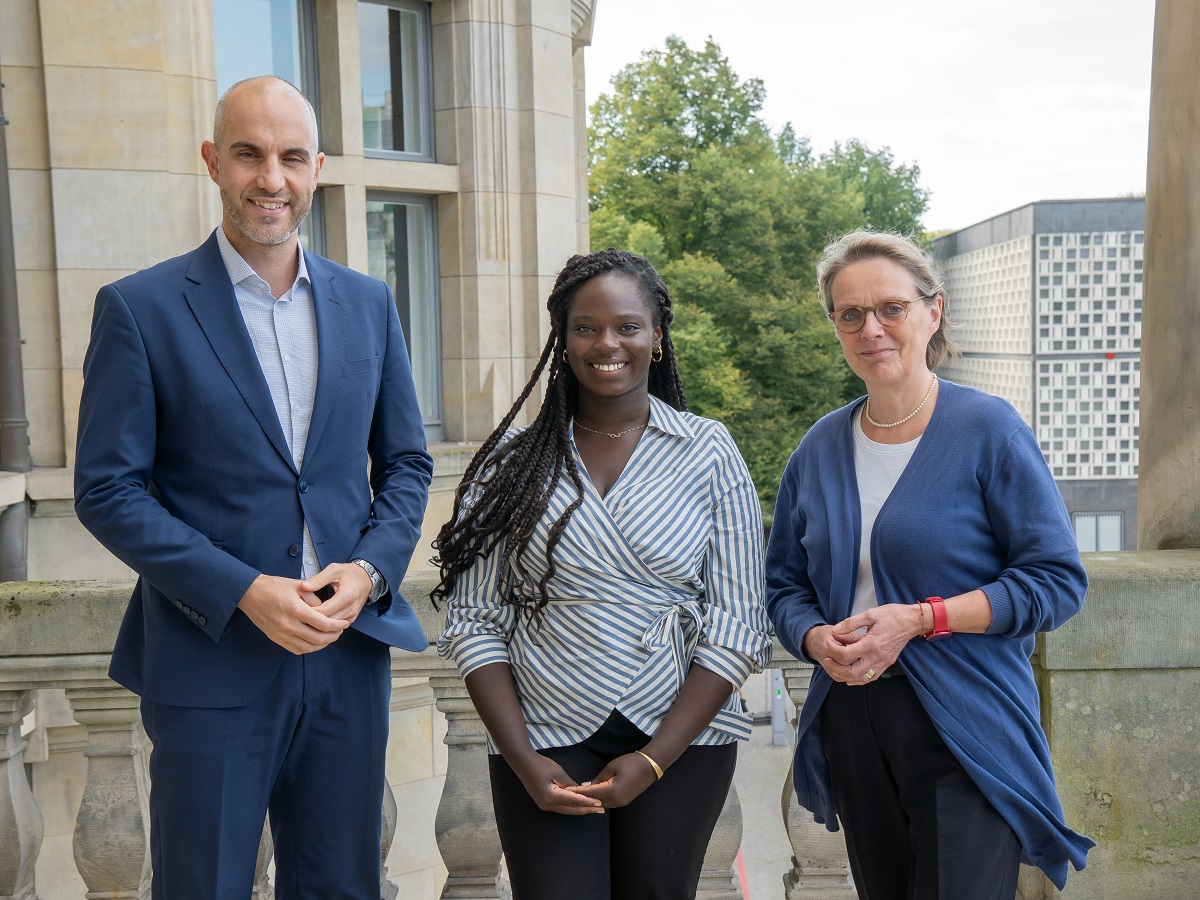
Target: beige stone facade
[[108, 102]]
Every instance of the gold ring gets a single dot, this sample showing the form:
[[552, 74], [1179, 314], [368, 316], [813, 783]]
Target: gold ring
[[870, 674]]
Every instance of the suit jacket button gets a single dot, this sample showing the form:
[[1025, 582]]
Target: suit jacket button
[[202, 620], [294, 550], [178, 604], [303, 487], [195, 615]]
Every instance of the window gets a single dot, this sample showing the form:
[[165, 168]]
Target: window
[[312, 229], [1099, 531], [397, 84], [401, 232], [241, 28]]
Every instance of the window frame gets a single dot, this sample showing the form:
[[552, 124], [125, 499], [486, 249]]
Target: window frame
[[427, 153], [434, 419], [306, 49], [1095, 515]]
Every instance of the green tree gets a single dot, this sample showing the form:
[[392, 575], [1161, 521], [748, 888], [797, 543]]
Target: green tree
[[685, 172], [892, 198]]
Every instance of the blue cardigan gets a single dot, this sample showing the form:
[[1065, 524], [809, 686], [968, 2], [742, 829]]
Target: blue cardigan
[[976, 507]]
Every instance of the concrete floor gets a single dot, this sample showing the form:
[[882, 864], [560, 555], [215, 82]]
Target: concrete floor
[[761, 769]]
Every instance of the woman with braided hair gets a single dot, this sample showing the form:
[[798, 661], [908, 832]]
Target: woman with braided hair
[[603, 572]]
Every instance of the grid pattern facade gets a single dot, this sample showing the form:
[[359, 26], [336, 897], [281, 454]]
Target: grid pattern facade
[[1089, 291], [1007, 378], [1050, 320], [988, 291], [1087, 421]]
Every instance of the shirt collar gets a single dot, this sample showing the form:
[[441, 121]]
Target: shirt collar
[[239, 270], [670, 420], [663, 418]]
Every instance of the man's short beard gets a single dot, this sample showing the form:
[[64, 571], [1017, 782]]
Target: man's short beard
[[236, 211]]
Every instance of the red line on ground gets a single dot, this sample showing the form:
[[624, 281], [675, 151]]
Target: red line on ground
[[741, 864]]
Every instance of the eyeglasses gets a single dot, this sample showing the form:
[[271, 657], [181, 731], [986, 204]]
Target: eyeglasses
[[851, 319]]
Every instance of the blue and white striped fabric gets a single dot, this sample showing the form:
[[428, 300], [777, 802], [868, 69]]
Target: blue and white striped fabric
[[664, 571]]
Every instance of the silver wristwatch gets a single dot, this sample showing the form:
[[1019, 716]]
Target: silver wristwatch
[[378, 585]]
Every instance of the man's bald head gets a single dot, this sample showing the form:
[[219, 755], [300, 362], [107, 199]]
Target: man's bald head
[[261, 85]]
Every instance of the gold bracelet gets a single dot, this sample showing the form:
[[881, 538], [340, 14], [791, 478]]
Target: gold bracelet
[[658, 772]]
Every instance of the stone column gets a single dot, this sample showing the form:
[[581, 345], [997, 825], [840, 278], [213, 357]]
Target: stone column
[[505, 114], [465, 823], [820, 869], [718, 878], [387, 890], [112, 831], [20, 819], [266, 851], [1169, 465]]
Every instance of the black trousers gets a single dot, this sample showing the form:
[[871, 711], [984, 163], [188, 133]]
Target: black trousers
[[917, 827], [651, 849]]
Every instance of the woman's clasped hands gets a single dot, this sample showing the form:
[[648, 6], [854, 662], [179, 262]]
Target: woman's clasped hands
[[620, 783], [859, 649]]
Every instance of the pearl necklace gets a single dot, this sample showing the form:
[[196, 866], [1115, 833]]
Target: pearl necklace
[[609, 434], [928, 394]]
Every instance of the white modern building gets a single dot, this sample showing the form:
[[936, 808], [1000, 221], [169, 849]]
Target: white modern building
[[1048, 300]]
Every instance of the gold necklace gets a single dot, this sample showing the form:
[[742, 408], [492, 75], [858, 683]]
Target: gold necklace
[[928, 394], [609, 434]]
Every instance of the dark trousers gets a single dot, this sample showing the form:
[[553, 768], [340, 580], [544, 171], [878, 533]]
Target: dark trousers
[[310, 749], [917, 827], [652, 849]]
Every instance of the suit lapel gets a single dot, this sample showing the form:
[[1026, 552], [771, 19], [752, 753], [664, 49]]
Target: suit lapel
[[211, 298], [330, 348]]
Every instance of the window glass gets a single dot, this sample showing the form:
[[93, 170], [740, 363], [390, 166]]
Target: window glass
[[400, 252], [265, 37], [396, 81], [312, 229], [1098, 531]]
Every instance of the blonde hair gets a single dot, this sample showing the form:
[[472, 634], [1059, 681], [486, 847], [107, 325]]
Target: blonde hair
[[865, 244]]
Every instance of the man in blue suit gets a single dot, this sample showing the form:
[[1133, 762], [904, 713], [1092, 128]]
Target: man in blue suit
[[232, 398]]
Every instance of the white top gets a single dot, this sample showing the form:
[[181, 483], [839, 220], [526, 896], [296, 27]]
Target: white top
[[878, 467]]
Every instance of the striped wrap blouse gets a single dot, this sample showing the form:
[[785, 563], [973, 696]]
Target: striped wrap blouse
[[664, 571]]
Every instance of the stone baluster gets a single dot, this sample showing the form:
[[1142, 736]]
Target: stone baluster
[[387, 890], [266, 850], [718, 878], [466, 825], [20, 819], [112, 830], [820, 868]]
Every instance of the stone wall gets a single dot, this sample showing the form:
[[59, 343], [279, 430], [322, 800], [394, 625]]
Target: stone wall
[[1120, 690]]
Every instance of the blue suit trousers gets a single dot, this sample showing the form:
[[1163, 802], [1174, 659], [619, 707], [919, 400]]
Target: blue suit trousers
[[309, 750]]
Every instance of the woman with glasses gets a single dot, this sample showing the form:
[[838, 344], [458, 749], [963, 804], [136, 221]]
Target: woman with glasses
[[919, 543]]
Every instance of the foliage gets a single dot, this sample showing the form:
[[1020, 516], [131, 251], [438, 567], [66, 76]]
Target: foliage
[[685, 172]]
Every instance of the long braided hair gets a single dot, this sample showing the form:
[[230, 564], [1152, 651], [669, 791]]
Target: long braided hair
[[511, 483]]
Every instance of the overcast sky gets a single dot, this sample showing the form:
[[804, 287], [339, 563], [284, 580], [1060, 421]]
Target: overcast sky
[[1000, 102]]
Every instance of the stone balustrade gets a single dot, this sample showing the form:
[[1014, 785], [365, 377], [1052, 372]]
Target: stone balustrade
[[1119, 686], [56, 635]]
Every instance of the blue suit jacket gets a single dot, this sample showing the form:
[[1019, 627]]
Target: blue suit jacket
[[183, 472]]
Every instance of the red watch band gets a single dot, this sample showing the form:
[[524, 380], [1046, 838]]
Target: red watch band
[[941, 621]]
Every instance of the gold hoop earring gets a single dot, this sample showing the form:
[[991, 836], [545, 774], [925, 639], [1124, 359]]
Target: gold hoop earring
[[657, 350], [567, 361]]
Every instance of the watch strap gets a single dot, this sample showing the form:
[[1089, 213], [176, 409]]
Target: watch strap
[[378, 584], [941, 621]]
